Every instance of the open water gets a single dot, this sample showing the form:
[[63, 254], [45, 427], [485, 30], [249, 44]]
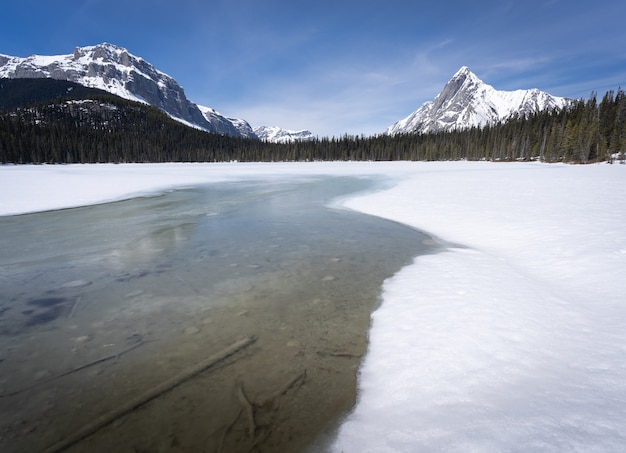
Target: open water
[[101, 303]]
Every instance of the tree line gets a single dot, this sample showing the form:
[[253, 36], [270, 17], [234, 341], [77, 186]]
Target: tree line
[[98, 127]]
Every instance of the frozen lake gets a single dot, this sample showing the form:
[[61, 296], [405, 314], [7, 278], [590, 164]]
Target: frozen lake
[[171, 279], [513, 341]]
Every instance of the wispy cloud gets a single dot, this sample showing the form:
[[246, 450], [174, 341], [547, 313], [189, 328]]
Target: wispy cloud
[[345, 97]]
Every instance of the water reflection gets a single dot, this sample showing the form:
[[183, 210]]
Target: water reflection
[[145, 249]]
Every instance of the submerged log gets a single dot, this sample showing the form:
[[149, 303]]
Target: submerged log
[[115, 356], [149, 395]]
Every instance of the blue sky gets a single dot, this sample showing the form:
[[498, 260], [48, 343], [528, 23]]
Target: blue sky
[[337, 67]]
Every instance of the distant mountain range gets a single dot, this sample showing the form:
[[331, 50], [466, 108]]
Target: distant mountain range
[[277, 135], [45, 120], [466, 101]]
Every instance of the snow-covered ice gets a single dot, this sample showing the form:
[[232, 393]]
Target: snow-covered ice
[[514, 339], [515, 343]]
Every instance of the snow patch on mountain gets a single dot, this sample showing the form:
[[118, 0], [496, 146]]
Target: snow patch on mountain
[[243, 127], [466, 101], [114, 69], [276, 134]]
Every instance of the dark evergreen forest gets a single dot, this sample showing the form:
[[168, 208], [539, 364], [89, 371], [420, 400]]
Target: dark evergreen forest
[[45, 121]]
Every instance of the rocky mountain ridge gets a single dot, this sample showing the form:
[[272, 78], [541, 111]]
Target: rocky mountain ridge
[[114, 69], [466, 101], [276, 134]]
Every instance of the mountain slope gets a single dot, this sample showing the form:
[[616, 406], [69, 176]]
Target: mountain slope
[[466, 101], [16, 93], [114, 69], [275, 134], [243, 128], [57, 121]]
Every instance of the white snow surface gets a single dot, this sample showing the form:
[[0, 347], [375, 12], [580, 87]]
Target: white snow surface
[[512, 339]]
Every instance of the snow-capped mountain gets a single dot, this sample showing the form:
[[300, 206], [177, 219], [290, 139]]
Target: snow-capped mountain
[[466, 101], [114, 69], [275, 134], [243, 128]]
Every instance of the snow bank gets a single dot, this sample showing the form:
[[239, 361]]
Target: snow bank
[[513, 340], [516, 343]]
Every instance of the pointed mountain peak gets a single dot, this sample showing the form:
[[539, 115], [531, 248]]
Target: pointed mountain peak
[[464, 75], [461, 85], [466, 101], [464, 71]]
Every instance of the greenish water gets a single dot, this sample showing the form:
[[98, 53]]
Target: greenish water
[[190, 272]]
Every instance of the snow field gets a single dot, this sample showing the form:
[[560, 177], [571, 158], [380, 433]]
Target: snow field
[[513, 339], [516, 343]]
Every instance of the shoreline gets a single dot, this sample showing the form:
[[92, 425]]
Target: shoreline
[[527, 219], [309, 311], [319, 340]]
